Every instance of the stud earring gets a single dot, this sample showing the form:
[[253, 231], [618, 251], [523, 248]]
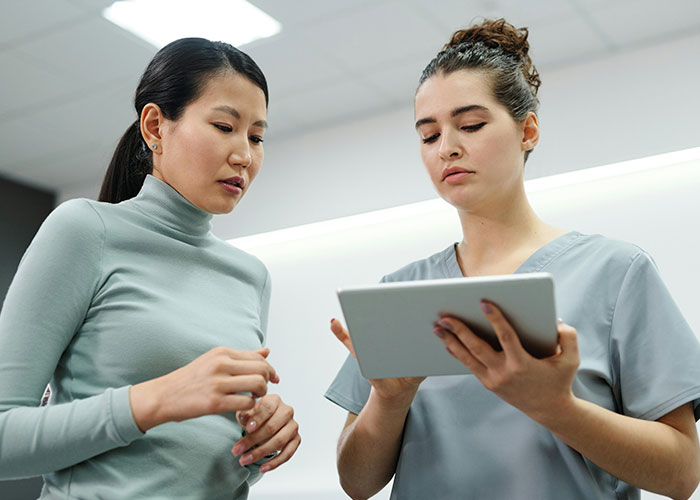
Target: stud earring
[[155, 146]]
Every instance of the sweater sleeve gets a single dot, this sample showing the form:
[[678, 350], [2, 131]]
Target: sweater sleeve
[[44, 308]]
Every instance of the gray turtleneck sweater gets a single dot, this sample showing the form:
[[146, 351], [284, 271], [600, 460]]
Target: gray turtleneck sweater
[[105, 297]]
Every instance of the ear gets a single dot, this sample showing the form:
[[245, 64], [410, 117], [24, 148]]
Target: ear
[[531, 132], [152, 123]]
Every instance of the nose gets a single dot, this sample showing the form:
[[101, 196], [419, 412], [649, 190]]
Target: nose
[[450, 148], [240, 154]]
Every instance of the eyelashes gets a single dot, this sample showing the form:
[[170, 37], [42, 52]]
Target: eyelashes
[[466, 128], [473, 128], [226, 129], [223, 128]]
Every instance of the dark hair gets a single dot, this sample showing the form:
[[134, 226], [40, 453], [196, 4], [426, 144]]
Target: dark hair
[[501, 51], [174, 78]]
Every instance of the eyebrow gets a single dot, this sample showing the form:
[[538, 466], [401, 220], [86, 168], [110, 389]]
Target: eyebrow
[[234, 112], [456, 112]]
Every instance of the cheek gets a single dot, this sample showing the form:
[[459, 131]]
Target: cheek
[[431, 161]]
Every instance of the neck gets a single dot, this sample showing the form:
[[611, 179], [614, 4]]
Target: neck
[[500, 237]]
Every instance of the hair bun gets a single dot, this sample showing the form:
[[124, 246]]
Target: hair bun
[[500, 34]]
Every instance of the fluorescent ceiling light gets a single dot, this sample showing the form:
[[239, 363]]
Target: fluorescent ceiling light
[[429, 206], [159, 22]]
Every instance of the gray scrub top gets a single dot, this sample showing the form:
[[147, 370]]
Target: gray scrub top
[[639, 357]]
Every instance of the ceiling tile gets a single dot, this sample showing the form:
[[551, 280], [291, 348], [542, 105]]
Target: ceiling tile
[[95, 122], [294, 13], [455, 14], [562, 40], [95, 50], [293, 63], [60, 172], [381, 33], [632, 22], [343, 100], [22, 20], [29, 84], [398, 82]]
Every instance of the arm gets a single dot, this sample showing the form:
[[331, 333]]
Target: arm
[[44, 307], [661, 456], [369, 446]]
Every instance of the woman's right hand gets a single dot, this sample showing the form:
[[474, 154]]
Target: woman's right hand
[[390, 390], [211, 384]]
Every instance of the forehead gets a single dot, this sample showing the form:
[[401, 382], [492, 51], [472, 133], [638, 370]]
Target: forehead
[[234, 90], [443, 93]]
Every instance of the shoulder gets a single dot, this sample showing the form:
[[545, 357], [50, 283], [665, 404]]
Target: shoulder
[[76, 219], [433, 267], [609, 251]]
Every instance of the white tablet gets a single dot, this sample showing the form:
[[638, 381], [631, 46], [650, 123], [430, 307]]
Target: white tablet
[[391, 324]]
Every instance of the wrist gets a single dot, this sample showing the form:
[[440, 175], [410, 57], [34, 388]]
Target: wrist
[[557, 414], [145, 405], [395, 403]]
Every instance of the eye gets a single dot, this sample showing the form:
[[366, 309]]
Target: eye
[[430, 139], [256, 139], [223, 128], [473, 128]]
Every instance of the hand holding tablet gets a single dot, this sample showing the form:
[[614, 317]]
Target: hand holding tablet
[[391, 324]]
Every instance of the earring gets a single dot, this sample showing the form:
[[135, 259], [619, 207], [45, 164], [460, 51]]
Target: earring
[[155, 146]]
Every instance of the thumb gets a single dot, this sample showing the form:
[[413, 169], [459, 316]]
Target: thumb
[[343, 335], [568, 340]]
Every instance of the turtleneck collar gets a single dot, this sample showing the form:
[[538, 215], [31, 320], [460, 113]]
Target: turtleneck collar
[[165, 205]]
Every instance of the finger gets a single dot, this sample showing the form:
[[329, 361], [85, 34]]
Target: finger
[[504, 331], [266, 430], [459, 351], [254, 384], [263, 351], [250, 367], [268, 415], [343, 335], [287, 453], [231, 402], [477, 347], [275, 443]]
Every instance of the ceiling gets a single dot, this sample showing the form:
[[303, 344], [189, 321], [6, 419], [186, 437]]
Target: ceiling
[[68, 75]]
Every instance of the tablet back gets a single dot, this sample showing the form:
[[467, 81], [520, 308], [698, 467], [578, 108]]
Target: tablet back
[[391, 324]]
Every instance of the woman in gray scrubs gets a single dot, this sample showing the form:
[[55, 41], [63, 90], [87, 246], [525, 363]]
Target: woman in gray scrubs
[[612, 412]]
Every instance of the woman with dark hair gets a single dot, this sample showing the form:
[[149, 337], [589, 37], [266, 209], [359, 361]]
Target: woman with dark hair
[[148, 328], [612, 411]]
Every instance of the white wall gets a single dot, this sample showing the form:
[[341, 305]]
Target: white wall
[[656, 209], [628, 105]]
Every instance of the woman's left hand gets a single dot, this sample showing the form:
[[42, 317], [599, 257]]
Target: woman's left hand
[[270, 428], [540, 388]]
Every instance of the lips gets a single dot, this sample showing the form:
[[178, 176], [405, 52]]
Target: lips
[[236, 180], [455, 170]]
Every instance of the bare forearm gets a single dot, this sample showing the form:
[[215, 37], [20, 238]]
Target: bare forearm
[[651, 455], [369, 447]]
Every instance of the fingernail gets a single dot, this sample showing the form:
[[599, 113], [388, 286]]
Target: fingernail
[[486, 307], [439, 332], [246, 459], [332, 320], [237, 450], [264, 469], [444, 324], [251, 426]]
